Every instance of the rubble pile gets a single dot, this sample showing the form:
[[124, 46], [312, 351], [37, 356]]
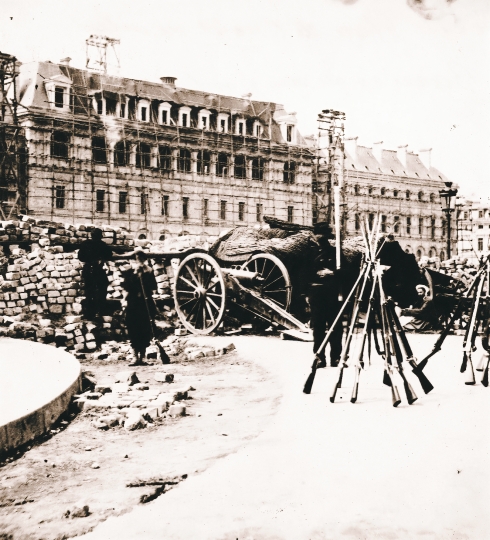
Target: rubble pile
[[132, 400], [125, 401]]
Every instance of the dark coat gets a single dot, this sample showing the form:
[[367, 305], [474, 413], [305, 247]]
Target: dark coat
[[140, 312]]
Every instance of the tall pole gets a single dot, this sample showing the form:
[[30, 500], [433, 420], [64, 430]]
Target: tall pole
[[448, 213]]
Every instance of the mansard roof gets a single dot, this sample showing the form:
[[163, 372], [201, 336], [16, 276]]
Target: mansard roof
[[365, 160], [87, 84]]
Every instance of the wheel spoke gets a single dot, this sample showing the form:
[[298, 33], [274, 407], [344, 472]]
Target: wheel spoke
[[191, 312], [188, 302], [188, 282], [213, 303], [277, 279], [210, 311], [198, 283], [185, 292]]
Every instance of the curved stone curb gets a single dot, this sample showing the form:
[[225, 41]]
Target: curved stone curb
[[37, 383]]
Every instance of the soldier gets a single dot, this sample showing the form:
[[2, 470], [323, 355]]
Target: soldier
[[94, 253], [139, 284], [323, 295]]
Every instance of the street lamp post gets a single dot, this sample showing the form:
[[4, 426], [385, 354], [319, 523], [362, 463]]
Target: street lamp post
[[448, 196]]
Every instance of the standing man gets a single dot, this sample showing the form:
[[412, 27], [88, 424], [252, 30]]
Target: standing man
[[323, 295], [94, 253]]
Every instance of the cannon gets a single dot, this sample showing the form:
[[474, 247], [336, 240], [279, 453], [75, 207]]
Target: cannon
[[203, 291]]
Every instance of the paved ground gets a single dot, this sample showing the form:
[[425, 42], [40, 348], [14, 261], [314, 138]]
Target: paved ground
[[341, 471]]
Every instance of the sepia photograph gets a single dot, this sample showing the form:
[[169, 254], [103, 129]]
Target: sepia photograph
[[244, 270]]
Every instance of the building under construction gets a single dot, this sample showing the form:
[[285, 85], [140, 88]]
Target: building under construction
[[153, 158]]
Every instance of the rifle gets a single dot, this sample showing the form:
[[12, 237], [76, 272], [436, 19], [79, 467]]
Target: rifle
[[416, 369], [365, 331], [456, 313], [470, 335], [388, 373], [311, 377], [164, 358], [350, 333], [393, 337]]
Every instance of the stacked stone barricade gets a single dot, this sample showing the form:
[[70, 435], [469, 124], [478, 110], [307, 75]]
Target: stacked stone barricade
[[41, 288]]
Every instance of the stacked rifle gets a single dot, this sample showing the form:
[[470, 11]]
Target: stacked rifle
[[369, 309], [476, 303]]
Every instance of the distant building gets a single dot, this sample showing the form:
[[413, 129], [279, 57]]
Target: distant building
[[154, 158], [403, 188], [473, 228]]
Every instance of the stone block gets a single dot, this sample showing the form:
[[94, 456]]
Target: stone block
[[176, 410], [128, 377], [134, 421], [150, 414], [164, 377]]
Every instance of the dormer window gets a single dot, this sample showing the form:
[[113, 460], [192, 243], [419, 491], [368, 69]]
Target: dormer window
[[290, 133], [164, 114], [257, 129], [240, 128], [185, 117], [143, 110], [223, 123], [59, 97], [58, 92], [203, 119]]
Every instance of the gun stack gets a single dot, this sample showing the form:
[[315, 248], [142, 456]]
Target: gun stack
[[374, 313]]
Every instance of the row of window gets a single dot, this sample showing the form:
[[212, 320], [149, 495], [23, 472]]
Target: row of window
[[143, 155], [123, 205], [165, 113], [409, 226], [396, 193]]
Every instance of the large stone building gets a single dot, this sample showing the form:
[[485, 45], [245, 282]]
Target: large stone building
[[154, 158], [403, 188], [472, 223]]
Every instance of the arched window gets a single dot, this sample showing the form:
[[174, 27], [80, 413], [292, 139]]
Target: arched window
[[258, 165], [419, 253], [395, 193], [165, 158], [421, 195], [143, 156], [407, 195], [356, 189], [443, 255], [141, 236], [184, 161], [432, 197], [121, 154], [289, 172], [240, 167], [203, 162], [222, 165], [383, 192]]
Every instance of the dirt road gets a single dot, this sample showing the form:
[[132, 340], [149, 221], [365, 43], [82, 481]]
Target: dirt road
[[341, 471]]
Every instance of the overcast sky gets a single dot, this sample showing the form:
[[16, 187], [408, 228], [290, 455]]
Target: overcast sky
[[399, 77]]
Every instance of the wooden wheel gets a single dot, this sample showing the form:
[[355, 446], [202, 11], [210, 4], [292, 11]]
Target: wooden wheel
[[199, 293], [276, 285]]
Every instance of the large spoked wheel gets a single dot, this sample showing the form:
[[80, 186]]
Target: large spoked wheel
[[277, 284], [199, 293]]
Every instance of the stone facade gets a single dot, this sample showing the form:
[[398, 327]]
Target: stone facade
[[473, 229], [404, 189], [156, 159]]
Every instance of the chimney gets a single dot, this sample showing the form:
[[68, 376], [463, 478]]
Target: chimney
[[65, 61], [401, 154], [170, 81], [350, 145], [378, 151], [425, 157]]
